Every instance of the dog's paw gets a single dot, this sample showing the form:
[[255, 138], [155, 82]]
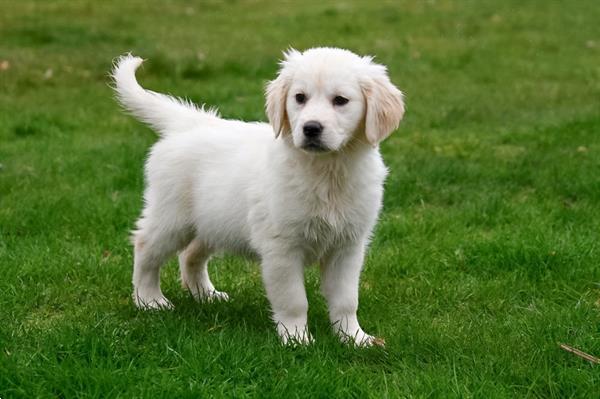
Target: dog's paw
[[152, 302], [299, 338], [209, 296], [213, 296], [369, 340], [294, 333], [362, 339]]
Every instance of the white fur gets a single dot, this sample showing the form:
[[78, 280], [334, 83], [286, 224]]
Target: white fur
[[215, 185]]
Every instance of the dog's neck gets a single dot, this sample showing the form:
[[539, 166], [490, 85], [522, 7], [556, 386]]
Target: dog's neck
[[334, 169]]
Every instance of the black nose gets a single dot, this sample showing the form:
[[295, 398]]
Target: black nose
[[312, 129]]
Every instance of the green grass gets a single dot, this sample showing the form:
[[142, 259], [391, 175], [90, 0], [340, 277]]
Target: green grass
[[486, 255]]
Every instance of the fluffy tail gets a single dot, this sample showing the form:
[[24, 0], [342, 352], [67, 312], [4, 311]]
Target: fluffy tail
[[164, 113]]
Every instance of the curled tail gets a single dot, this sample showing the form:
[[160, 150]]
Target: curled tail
[[164, 113]]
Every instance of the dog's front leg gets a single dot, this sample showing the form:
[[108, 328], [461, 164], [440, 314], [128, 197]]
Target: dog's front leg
[[283, 276], [340, 275]]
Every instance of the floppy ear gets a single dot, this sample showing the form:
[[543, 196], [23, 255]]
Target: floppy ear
[[385, 104], [276, 93]]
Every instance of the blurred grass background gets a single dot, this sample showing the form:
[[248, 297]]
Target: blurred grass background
[[485, 257]]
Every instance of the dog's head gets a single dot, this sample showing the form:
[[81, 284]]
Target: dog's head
[[326, 97]]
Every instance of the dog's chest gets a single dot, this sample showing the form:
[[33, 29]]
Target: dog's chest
[[335, 211], [321, 233], [320, 204]]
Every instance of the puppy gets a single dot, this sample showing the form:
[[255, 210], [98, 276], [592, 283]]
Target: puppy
[[305, 189]]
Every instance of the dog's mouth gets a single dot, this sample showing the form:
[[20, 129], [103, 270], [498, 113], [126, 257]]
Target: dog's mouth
[[314, 146]]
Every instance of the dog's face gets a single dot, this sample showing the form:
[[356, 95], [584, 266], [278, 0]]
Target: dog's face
[[324, 98]]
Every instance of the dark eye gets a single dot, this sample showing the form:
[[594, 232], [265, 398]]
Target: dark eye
[[339, 100], [300, 98]]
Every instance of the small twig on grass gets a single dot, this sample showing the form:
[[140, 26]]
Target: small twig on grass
[[579, 353]]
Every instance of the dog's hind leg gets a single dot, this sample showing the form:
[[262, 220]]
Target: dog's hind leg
[[153, 245], [193, 264]]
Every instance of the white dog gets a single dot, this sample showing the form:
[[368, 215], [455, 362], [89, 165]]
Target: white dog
[[309, 193]]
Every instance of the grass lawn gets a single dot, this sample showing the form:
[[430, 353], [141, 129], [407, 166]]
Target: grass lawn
[[487, 253]]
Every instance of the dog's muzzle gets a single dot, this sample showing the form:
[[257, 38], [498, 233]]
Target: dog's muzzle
[[312, 129], [312, 137]]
